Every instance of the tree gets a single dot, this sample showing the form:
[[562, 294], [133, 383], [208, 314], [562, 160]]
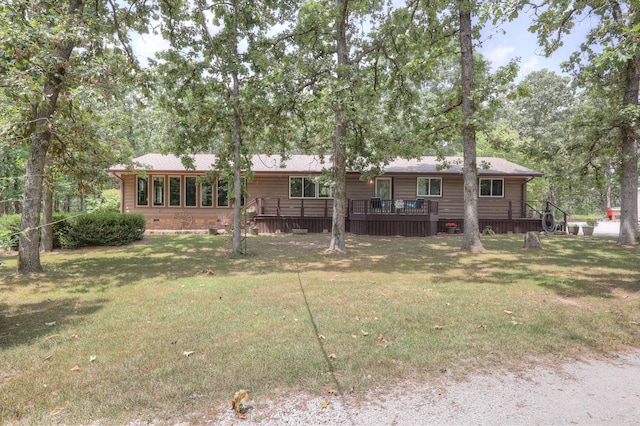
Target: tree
[[340, 97], [209, 79], [48, 50], [471, 240], [608, 62]]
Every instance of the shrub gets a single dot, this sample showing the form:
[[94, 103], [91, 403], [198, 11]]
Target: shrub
[[9, 231], [61, 226], [103, 229]]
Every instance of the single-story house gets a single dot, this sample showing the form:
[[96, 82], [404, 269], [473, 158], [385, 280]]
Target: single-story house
[[410, 198]]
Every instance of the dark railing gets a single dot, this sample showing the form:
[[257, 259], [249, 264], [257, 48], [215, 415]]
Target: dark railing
[[377, 206]]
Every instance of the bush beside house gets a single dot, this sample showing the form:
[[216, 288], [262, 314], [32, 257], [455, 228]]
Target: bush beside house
[[73, 231]]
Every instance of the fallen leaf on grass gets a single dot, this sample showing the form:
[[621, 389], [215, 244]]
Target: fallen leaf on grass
[[354, 336], [76, 368], [437, 327], [188, 353], [483, 326], [507, 312], [53, 336], [325, 404], [92, 358], [364, 333], [333, 356], [321, 336], [75, 336], [50, 324], [332, 392]]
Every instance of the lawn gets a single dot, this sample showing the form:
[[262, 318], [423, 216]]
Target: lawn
[[168, 329]]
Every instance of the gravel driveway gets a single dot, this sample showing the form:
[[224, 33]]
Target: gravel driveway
[[590, 392]]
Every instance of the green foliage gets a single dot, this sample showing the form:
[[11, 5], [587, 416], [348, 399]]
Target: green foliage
[[106, 201], [103, 229], [71, 230], [9, 231]]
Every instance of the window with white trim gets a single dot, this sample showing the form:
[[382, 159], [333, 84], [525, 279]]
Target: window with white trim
[[491, 187], [143, 191], [174, 191], [307, 187], [223, 193], [206, 194], [158, 191], [190, 191], [429, 187]]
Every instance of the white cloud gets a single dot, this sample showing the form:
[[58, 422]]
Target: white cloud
[[499, 55]]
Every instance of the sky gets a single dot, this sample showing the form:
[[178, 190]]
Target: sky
[[517, 41]]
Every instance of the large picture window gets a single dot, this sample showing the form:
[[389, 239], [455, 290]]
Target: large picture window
[[307, 187], [223, 193], [429, 187], [143, 191], [190, 191], [492, 187], [158, 191], [174, 191]]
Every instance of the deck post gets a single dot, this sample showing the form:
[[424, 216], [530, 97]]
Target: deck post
[[302, 207], [278, 208]]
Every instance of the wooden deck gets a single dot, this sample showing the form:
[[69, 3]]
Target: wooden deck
[[409, 218]]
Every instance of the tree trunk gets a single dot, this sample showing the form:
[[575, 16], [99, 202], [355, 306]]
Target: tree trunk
[[629, 163], [237, 145], [338, 228], [46, 236], [29, 241], [471, 238]]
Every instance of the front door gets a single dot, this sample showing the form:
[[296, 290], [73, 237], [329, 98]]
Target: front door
[[384, 188]]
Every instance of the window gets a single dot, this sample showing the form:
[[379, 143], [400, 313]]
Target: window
[[429, 187], [307, 187], [190, 191], [206, 195], [302, 187], [143, 191], [384, 188], [491, 187], [158, 191], [174, 191], [223, 193]]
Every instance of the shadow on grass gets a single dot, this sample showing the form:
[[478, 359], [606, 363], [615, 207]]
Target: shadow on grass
[[568, 266], [26, 322]]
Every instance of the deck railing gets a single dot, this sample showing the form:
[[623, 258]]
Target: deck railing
[[376, 206]]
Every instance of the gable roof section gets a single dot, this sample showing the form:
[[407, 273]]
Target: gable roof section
[[487, 166]]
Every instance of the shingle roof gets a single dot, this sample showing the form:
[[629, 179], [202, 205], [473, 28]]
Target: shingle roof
[[490, 166]]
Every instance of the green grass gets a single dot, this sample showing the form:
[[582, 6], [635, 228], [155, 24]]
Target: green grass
[[287, 316]]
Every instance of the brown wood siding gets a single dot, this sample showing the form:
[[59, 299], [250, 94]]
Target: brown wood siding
[[175, 218], [275, 186]]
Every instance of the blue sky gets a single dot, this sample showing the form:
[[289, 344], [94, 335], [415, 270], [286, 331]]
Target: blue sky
[[519, 42]]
